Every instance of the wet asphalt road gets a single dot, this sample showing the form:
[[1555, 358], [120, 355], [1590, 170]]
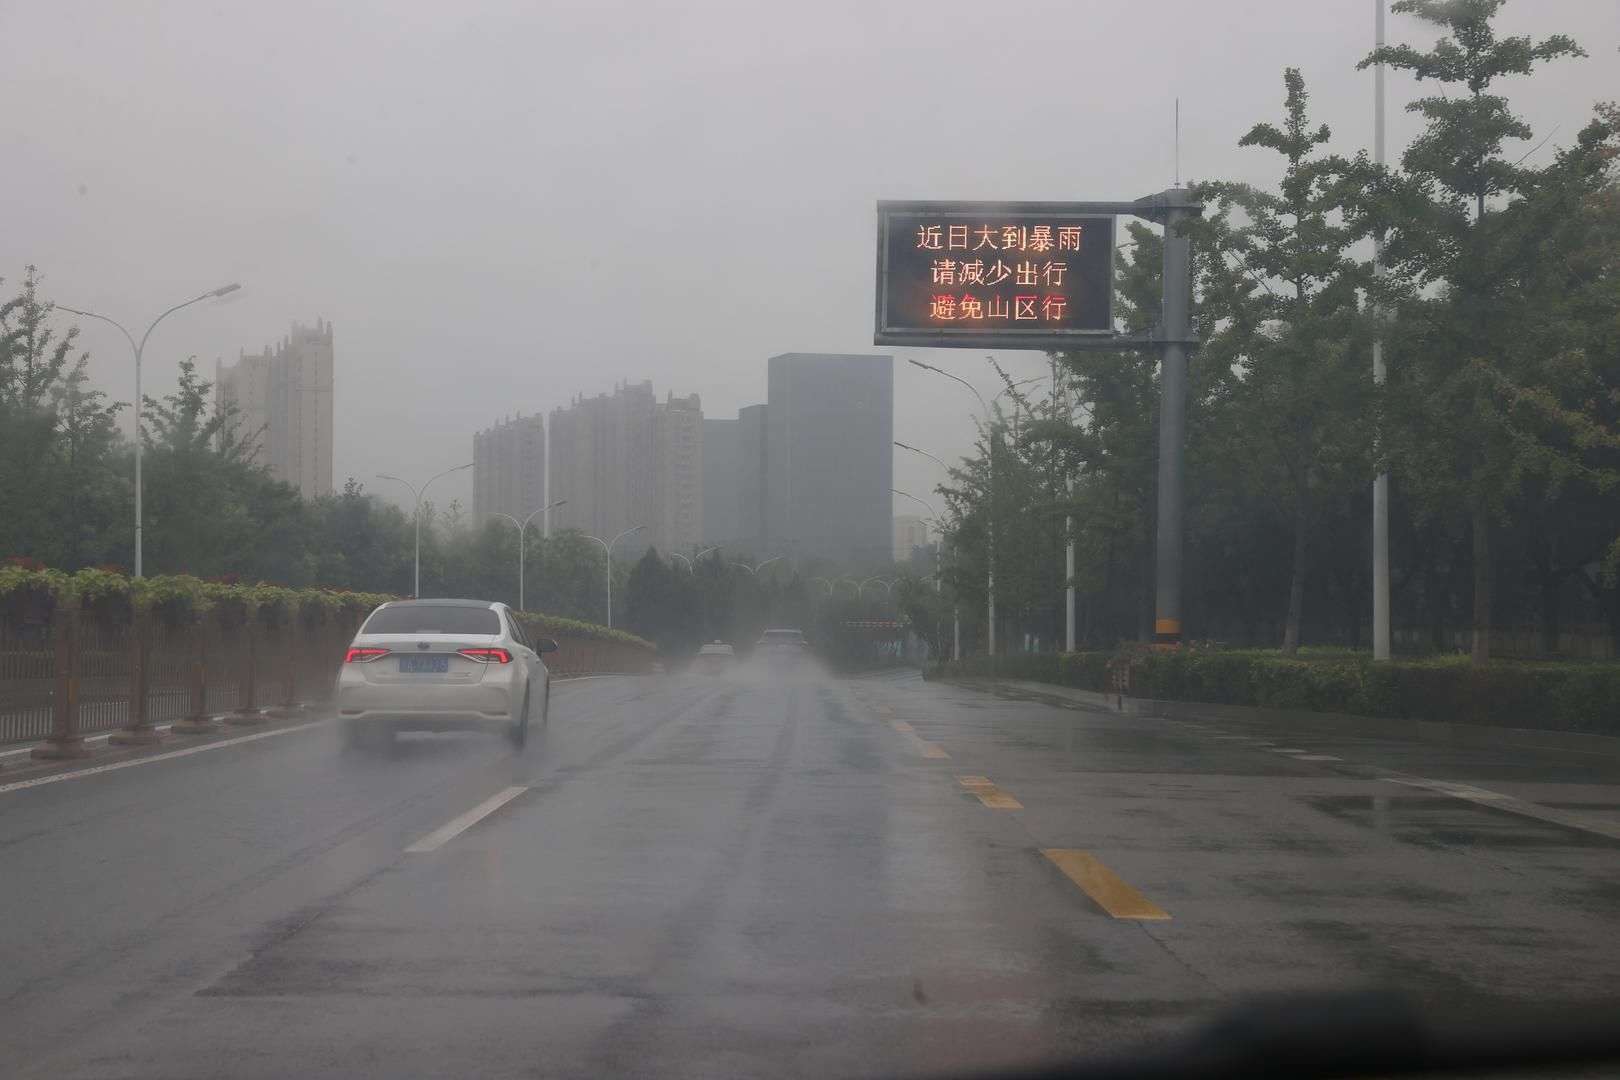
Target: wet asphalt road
[[821, 877]]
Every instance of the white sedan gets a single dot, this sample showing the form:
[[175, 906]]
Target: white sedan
[[443, 665]]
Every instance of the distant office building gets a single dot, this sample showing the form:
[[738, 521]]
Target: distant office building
[[678, 485], [910, 533], [829, 458], [721, 510], [509, 469], [753, 475], [283, 398]]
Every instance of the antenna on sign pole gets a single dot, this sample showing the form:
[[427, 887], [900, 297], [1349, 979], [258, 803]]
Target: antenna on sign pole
[[1178, 143]]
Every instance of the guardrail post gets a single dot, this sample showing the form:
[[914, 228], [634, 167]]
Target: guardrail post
[[245, 712], [197, 721], [138, 730], [64, 742], [287, 638]]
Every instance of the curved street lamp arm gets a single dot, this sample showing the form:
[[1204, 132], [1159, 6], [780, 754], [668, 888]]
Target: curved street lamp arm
[[107, 319], [446, 472], [923, 453], [941, 371], [184, 304], [621, 536], [415, 494]]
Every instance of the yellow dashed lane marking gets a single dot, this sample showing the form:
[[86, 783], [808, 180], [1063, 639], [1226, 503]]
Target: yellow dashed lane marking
[[922, 746], [1110, 892], [989, 794]]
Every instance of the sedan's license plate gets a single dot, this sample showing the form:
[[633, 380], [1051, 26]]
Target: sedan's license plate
[[423, 665]]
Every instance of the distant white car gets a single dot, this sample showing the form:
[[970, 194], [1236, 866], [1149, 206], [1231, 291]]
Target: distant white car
[[443, 665], [714, 658]]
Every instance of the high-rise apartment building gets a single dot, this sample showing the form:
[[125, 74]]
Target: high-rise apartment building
[[678, 477], [625, 459], [509, 469], [829, 458], [283, 399]]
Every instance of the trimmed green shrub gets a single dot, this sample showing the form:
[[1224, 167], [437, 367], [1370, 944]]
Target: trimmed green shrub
[[1573, 696]]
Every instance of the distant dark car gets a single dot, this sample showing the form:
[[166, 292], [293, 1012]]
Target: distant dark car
[[715, 658], [782, 647]]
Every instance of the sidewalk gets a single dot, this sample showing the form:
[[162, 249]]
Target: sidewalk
[[1451, 734]]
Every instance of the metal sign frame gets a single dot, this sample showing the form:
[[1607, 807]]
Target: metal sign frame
[[1172, 338]]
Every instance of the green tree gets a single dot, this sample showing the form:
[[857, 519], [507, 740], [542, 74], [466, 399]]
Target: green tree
[[1456, 263], [1292, 407]]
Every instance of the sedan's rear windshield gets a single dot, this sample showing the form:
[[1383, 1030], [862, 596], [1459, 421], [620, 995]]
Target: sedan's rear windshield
[[433, 619]]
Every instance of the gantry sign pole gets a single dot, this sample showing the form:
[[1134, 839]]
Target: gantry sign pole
[[1039, 275]]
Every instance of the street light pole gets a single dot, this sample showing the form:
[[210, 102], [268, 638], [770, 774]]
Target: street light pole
[[523, 531], [1380, 505], [607, 547], [956, 608], [416, 512], [139, 350], [990, 501]]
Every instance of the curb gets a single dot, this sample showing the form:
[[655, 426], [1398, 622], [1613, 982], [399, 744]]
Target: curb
[[1434, 731]]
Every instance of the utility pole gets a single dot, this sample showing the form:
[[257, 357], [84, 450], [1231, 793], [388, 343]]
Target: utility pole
[[1381, 480]]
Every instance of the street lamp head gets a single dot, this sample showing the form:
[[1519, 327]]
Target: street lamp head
[[919, 363], [225, 290], [557, 503]]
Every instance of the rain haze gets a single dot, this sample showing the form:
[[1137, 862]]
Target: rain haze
[[1247, 705], [502, 206]]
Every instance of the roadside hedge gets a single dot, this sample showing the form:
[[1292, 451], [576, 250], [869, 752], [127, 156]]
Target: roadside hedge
[[1562, 696], [556, 626], [181, 597]]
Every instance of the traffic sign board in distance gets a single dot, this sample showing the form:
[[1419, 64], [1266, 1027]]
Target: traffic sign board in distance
[[993, 275]]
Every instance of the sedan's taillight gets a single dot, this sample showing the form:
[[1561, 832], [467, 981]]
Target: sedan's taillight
[[363, 656], [488, 656]]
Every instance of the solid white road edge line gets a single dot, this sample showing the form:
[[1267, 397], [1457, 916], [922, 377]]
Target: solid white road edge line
[[453, 828], [40, 781], [103, 737]]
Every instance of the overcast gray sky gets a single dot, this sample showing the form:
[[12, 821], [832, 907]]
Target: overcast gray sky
[[502, 205]]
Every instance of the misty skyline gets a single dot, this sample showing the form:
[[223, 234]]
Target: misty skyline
[[500, 207]]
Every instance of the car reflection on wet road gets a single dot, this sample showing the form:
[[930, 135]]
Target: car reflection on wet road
[[757, 875]]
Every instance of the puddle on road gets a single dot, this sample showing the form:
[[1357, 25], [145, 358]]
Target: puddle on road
[[1441, 821]]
